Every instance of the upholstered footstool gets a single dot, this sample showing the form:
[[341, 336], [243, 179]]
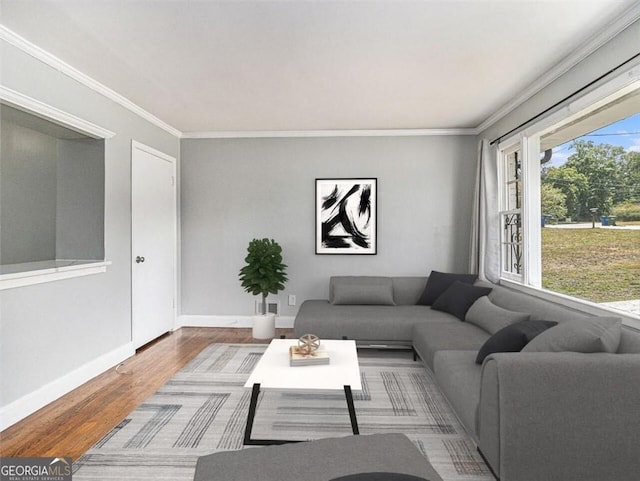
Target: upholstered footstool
[[321, 460]]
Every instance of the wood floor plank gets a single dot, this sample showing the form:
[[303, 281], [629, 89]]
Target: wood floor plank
[[72, 424]]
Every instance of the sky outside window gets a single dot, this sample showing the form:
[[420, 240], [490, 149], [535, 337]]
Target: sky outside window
[[624, 133]]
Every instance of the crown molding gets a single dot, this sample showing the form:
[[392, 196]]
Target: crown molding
[[258, 134], [36, 52], [624, 20], [17, 99], [51, 60], [614, 28]]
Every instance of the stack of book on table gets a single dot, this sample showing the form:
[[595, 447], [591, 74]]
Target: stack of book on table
[[300, 357]]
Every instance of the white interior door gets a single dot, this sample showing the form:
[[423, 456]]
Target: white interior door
[[153, 231]]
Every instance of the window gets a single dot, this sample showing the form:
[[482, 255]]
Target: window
[[570, 200], [51, 198], [591, 193], [511, 214]]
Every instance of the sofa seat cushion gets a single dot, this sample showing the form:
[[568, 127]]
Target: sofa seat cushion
[[371, 323], [459, 378], [447, 334]]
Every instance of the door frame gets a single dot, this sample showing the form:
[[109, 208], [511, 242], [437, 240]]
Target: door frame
[[135, 145]]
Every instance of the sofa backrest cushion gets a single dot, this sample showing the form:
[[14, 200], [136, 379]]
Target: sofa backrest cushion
[[361, 290], [545, 309], [629, 341], [596, 334], [407, 290], [540, 309], [485, 314]]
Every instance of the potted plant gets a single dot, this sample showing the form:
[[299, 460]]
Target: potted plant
[[263, 274]]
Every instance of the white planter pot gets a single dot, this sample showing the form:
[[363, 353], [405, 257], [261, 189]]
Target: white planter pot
[[264, 327]]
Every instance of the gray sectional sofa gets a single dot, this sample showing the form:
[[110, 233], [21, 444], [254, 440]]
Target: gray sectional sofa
[[565, 408]]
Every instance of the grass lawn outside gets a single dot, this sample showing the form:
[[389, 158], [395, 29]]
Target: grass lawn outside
[[600, 265]]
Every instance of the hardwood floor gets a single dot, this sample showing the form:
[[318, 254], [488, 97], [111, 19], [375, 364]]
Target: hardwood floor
[[72, 424]]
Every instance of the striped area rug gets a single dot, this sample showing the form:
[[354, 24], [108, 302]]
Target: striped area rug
[[203, 409]]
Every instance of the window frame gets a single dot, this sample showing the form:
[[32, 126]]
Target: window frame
[[31, 273], [528, 141], [507, 212]]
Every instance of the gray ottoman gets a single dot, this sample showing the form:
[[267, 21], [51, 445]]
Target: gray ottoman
[[319, 460]]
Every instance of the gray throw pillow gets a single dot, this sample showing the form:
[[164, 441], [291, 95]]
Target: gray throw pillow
[[594, 334], [363, 291], [486, 315]]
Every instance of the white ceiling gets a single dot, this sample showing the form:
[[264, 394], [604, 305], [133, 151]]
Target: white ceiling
[[224, 66]]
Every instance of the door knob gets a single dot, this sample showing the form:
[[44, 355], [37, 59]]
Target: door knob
[[139, 259]]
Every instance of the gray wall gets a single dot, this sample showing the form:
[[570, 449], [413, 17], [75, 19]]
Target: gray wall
[[51, 195], [235, 190], [27, 195], [80, 200], [49, 330]]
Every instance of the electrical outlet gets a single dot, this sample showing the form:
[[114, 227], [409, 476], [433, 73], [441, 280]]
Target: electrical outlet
[[292, 299]]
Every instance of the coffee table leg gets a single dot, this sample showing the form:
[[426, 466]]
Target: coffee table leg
[[352, 410], [252, 413], [253, 405]]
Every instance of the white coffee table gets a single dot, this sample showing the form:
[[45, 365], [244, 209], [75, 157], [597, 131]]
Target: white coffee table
[[273, 372]]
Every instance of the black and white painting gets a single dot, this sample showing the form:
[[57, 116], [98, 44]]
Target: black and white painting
[[346, 216]]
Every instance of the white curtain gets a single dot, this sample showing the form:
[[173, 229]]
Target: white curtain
[[485, 225]]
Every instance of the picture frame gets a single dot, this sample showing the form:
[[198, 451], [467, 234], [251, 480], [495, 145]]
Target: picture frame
[[346, 216]]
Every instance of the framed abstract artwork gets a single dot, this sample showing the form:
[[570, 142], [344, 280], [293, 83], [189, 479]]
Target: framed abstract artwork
[[346, 216]]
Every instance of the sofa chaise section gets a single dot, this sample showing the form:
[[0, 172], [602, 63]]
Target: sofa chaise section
[[561, 416]]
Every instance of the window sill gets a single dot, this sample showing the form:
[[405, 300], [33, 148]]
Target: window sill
[[30, 273], [628, 318]]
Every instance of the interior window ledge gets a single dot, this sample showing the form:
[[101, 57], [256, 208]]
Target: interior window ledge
[[629, 319], [30, 273]]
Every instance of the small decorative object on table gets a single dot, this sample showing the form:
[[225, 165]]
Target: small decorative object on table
[[308, 352]]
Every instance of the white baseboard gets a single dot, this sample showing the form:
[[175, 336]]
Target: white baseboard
[[26, 405], [227, 321], [30, 403]]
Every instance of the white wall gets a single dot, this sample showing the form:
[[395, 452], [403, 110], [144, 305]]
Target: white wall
[[55, 333], [235, 190]]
